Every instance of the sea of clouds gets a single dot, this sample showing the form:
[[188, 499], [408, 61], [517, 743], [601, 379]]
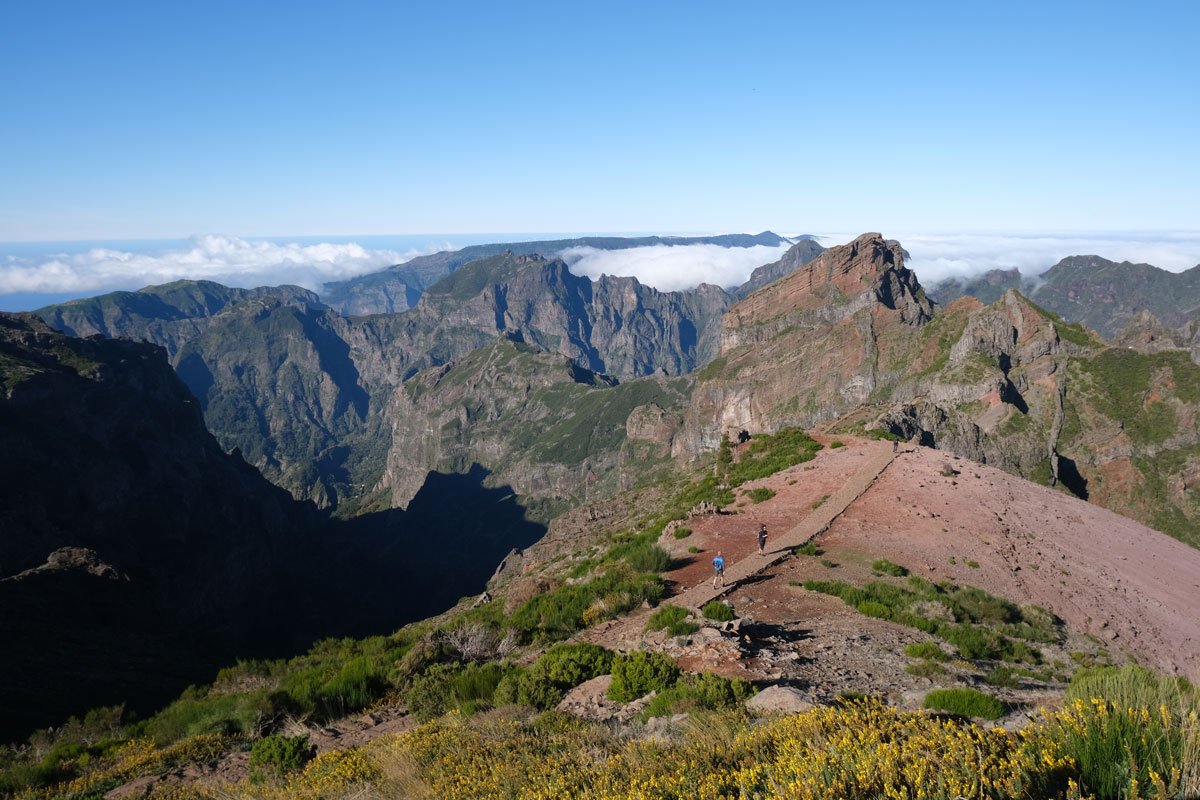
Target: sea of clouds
[[248, 262], [225, 259], [672, 267], [935, 257]]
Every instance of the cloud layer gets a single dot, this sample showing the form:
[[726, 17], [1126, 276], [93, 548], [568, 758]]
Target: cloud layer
[[935, 257], [669, 268], [244, 262], [225, 259]]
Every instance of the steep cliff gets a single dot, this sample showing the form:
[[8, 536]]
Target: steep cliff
[[129, 541], [807, 348], [534, 420]]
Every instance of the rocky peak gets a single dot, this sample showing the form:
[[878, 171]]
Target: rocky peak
[[1011, 332], [1146, 333], [867, 272]]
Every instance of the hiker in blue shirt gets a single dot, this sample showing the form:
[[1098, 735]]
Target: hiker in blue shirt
[[719, 569]]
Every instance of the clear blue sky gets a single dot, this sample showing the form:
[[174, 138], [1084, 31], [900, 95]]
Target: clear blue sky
[[163, 119]]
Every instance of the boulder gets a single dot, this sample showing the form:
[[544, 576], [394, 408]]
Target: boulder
[[778, 700]]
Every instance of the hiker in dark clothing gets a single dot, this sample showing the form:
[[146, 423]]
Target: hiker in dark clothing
[[762, 539]]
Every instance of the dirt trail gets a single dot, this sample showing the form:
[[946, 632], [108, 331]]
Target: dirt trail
[[781, 546]]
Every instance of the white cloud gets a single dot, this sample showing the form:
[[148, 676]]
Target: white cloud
[[225, 259], [670, 268], [938, 256]]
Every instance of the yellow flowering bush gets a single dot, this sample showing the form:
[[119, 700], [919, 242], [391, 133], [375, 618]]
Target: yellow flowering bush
[[133, 759]]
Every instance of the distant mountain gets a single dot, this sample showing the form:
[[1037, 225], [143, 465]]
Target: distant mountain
[[302, 392], [270, 366], [988, 287], [168, 315], [398, 288], [536, 420], [1103, 295]]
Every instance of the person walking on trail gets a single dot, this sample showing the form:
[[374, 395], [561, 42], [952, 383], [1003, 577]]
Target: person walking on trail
[[719, 569], [762, 539]]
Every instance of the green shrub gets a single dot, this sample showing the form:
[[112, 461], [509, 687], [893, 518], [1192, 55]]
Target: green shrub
[[428, 694], [976, 605], [1005, 677], [703, 691], [474, 687], [768, 454], [925, 669], [639, 673], [694, 550], [871, 608], [972, 641], [760, 494], [560, 669], [332, 690], [808, 549], [673, 619], [559, 613], [279, 755], [199, 711], [926, 650], [836, 443], [717, 611], [965, 703], [569, 665], [885, 567], [682, 533], [828, 563], [648, 557]]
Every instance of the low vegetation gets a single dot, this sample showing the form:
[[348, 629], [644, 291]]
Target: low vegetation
[[984, 626], [673, 619], [858, 749], [965, 703], [717, 611]]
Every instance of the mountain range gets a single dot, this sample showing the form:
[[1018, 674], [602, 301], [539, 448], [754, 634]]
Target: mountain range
[[1100, 294], [508, 392]]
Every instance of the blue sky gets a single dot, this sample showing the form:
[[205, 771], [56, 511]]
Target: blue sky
[[146, 120]]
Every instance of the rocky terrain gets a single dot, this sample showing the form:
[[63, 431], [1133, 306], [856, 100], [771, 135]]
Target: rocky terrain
[[398, 288], [1101, 294], [1122, 590], [850, 342], [306, 395]]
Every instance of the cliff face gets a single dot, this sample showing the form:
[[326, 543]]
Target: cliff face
[[533, 420], [807, 348], [129, 538], [613, 325], [800, 254]]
